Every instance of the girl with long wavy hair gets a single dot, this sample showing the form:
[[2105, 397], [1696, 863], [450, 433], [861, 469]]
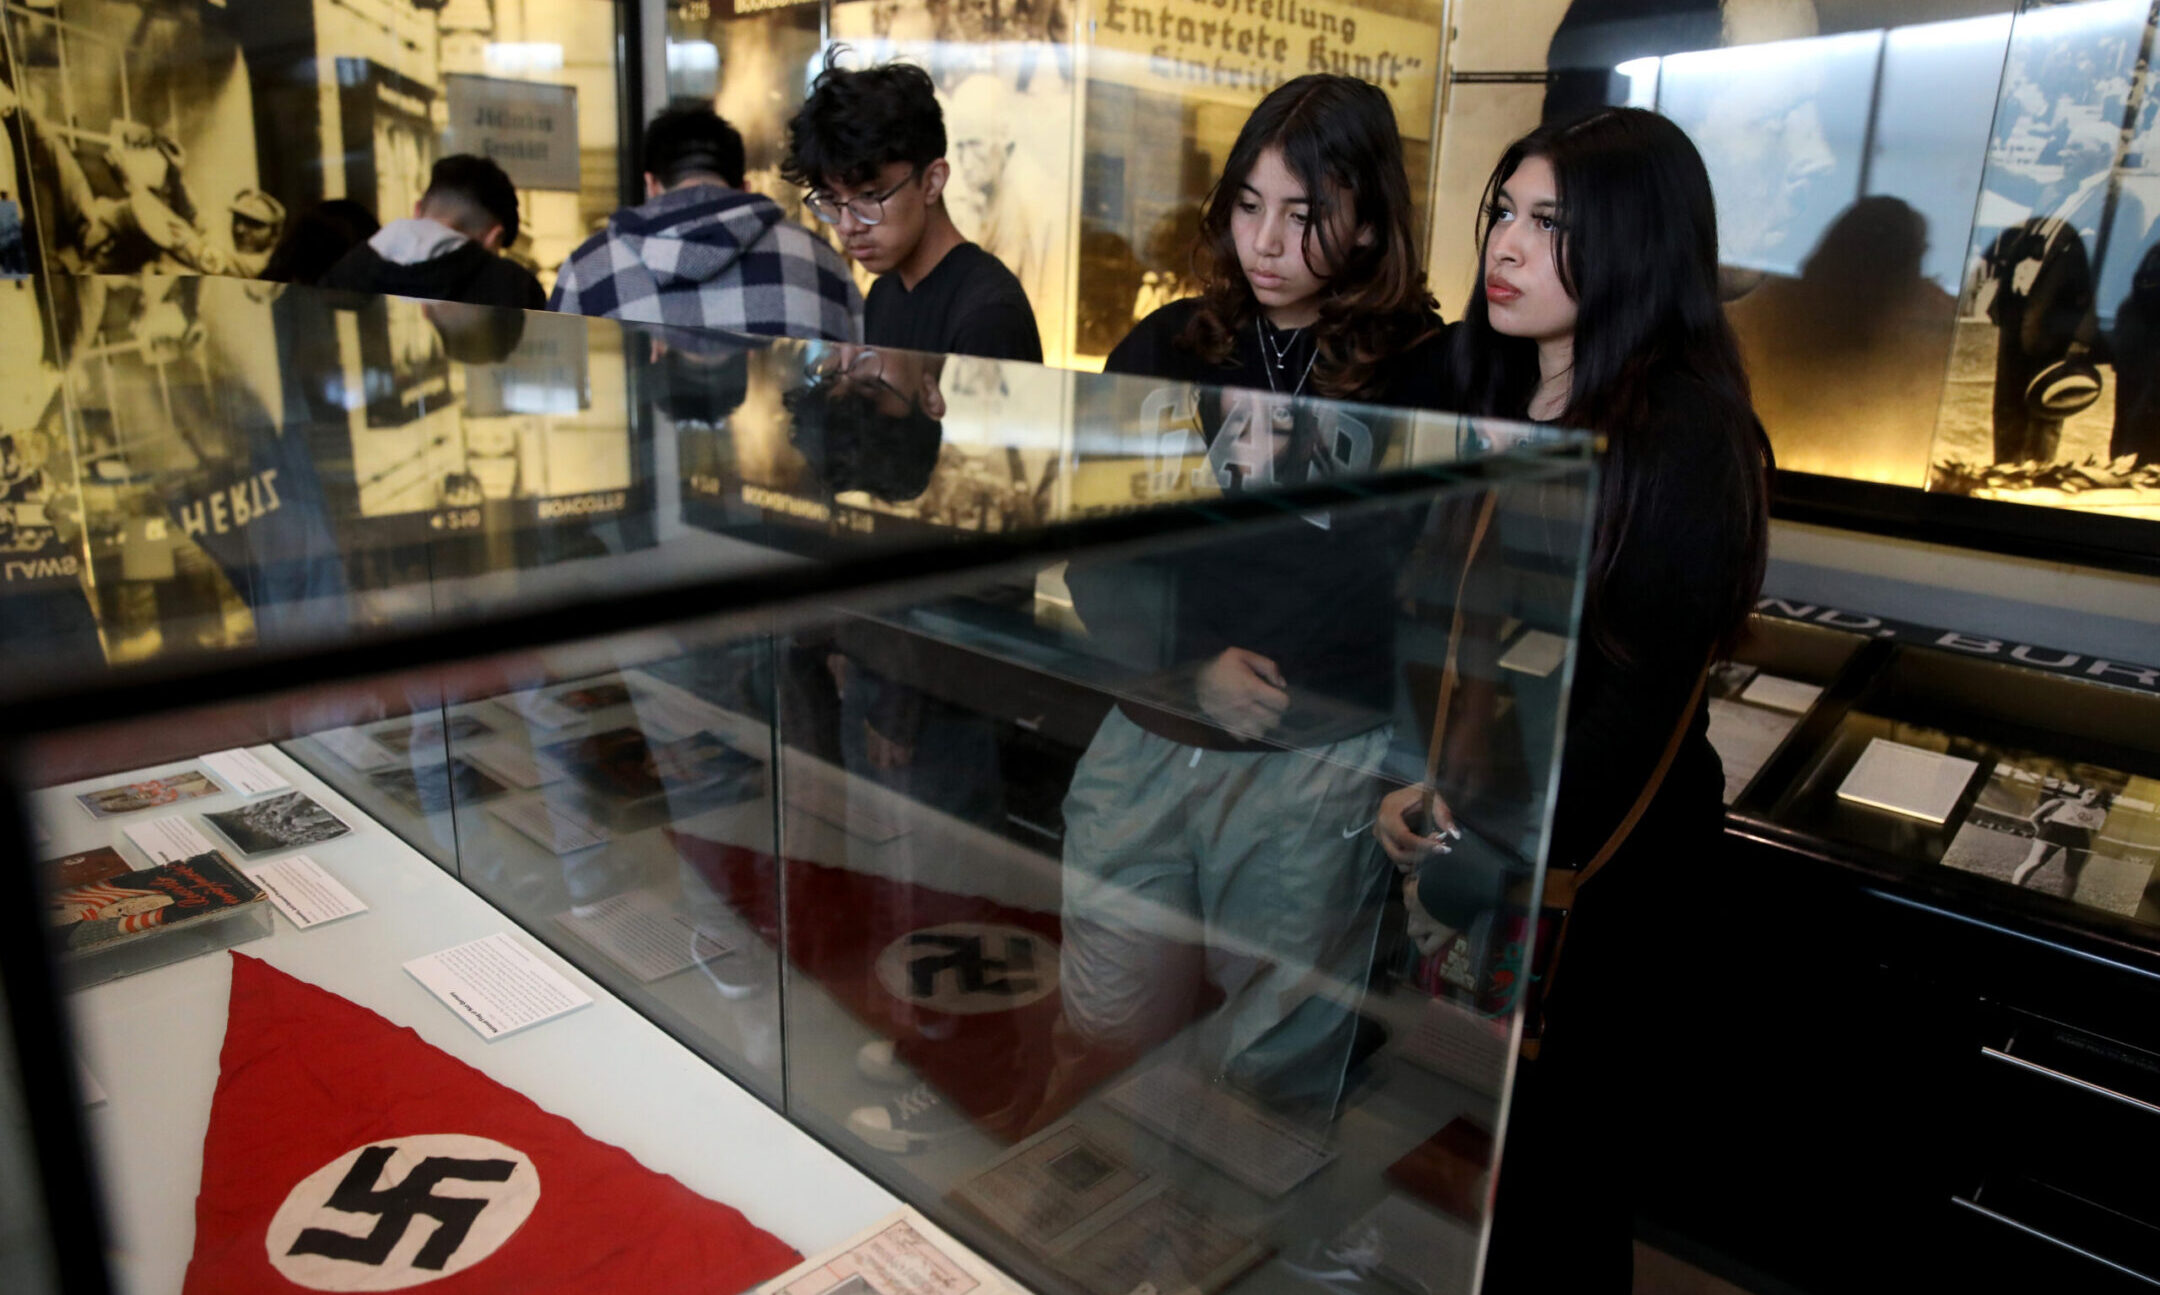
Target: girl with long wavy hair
[[1597, 309], [1235, 781], [1312, 280]]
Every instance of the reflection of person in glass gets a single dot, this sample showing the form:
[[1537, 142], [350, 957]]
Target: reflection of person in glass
[[869, 421], [2048, 290], [2064, 824], [1598, 308], [1235, 785], [1847, 359]]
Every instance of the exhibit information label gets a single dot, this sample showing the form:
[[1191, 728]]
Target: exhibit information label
[[1535, 653], [558, 827], [1268, 1155], [1907, 780], [496, 985], [355, 748], [514, 764], [643, 934], [304, 892], [169, 840], [244, 772], [905, 1254], [528, 129], [1780, 694]]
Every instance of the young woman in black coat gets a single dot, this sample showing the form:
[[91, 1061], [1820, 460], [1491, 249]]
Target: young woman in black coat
[[1598, 310]]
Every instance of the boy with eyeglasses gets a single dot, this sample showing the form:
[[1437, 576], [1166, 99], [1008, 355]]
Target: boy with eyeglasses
[[870, 148], [704, 253]]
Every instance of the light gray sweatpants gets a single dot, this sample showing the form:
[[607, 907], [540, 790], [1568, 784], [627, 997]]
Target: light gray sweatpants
[[1266, 858]]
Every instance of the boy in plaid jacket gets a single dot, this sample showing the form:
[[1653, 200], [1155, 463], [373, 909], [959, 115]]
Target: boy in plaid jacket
[[702, 252]]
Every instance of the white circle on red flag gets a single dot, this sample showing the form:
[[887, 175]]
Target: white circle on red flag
[[969, 968], [423, 1208]]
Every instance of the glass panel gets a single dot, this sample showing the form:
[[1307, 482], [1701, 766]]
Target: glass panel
[[822, 793], [1091, 945]]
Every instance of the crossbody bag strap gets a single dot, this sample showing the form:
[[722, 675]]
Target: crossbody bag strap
[[1448, 669], [1562, 885]]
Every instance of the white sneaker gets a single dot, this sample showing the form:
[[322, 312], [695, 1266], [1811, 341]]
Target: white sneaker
[[878, 1061], [912, 1121]]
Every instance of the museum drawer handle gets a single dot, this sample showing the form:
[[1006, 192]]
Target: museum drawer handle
[[2035, 1233], [2075, 1082]]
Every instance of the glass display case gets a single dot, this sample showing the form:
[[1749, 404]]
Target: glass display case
[[789, 777], [2000, 783], [1933, 214]]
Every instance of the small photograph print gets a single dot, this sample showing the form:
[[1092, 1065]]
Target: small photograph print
[[133, 904], [429, 733], [621, 762], [437, 788], [84, 868], [284, 822], [2080, 832], [110, 802]]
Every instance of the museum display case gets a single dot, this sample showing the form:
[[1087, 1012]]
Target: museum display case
[[792, 775], [1943, 844], [1932, 213]]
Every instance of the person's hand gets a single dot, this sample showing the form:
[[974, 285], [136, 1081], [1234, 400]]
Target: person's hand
[[1243, 692], [885, 754], [1395, 826]]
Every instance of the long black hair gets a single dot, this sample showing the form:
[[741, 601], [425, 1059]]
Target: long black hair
[[1337, 135], [1637, 249]]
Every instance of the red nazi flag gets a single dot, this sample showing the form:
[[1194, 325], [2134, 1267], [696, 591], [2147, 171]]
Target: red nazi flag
[[346, 1154]]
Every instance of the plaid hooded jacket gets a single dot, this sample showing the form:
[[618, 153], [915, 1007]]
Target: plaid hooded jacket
[[708, 257]]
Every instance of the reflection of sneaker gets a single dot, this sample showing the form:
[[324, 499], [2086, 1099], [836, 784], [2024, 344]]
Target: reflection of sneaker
[[879, 1062], [735, 971], [913, 1120]]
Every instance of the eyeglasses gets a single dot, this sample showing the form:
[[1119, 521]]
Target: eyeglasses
[[869, 208]]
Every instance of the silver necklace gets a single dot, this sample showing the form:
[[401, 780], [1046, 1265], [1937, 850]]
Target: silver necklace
[[1281, 353], [1280, 416]]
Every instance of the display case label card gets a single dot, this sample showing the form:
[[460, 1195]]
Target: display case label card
[[1907, 780], [244, 772], [1535, 653], [1268, 1155], [1781, 694], [544, 710], [305, 893], [169, 840], [514, 764], [496, 985], [1452, 1041], [905, 1254], [643, 933], [558, 827], [355, 748]]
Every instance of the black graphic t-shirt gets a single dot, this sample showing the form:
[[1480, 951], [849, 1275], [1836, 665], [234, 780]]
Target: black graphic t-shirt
[[1314, 595]]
